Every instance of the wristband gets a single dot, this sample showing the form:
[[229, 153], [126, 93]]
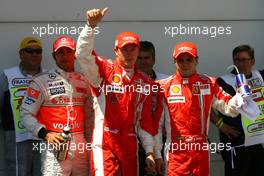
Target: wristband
[[219, 123], [42, 133]]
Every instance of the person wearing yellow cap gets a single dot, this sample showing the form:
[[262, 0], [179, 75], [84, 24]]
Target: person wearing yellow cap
[[20, 156]]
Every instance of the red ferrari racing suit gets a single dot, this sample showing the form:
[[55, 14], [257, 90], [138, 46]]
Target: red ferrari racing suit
[[187, 103], [121, 111], [56, 99]]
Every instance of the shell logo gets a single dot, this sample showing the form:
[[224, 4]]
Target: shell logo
[[175, 89], [116, 79]]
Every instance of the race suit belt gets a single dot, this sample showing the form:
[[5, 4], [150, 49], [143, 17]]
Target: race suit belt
[[189, 138], [129, 131]]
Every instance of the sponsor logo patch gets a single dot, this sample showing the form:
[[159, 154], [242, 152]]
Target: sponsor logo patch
[[29, 101], [203, 89], [57, 91], [116, 79], [21, 82], [175, 89], [258, 94], [195, 89], [52, 75], [33, 93], [254, 82], [20, 92], [55, 84], [177, 99]]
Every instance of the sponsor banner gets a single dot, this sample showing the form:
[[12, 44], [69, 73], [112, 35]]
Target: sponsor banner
[[176, 99]]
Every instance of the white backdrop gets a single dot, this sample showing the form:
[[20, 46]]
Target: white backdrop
[[215, 53], [132, 10]]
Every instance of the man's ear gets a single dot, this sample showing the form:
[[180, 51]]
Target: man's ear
[[20, 53], [53, 55], [115, 50], [253, 61]]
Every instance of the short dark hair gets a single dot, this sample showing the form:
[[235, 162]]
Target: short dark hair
[[244, 48], [148, 47]]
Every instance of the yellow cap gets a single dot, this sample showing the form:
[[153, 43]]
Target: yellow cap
[[28, 41]]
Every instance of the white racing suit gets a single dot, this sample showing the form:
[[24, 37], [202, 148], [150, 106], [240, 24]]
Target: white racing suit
[[56, 99]]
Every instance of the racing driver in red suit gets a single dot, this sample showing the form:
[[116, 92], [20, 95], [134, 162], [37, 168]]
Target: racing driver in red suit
[[121, 110], [187, 99]]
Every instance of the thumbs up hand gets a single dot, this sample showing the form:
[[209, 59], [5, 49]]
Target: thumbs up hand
[[94, 16]]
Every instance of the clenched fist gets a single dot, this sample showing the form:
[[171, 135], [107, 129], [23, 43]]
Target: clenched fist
[[94, 16]]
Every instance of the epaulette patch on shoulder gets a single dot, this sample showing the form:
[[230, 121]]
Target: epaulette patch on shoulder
[[110, 61], [164, 81], [101, 58], [206, 77]]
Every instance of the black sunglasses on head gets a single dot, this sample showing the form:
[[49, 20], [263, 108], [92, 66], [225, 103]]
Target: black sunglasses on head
[[33, 50]]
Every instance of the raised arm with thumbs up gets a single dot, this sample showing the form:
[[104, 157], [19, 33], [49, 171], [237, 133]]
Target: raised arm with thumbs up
[[94, 16]]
